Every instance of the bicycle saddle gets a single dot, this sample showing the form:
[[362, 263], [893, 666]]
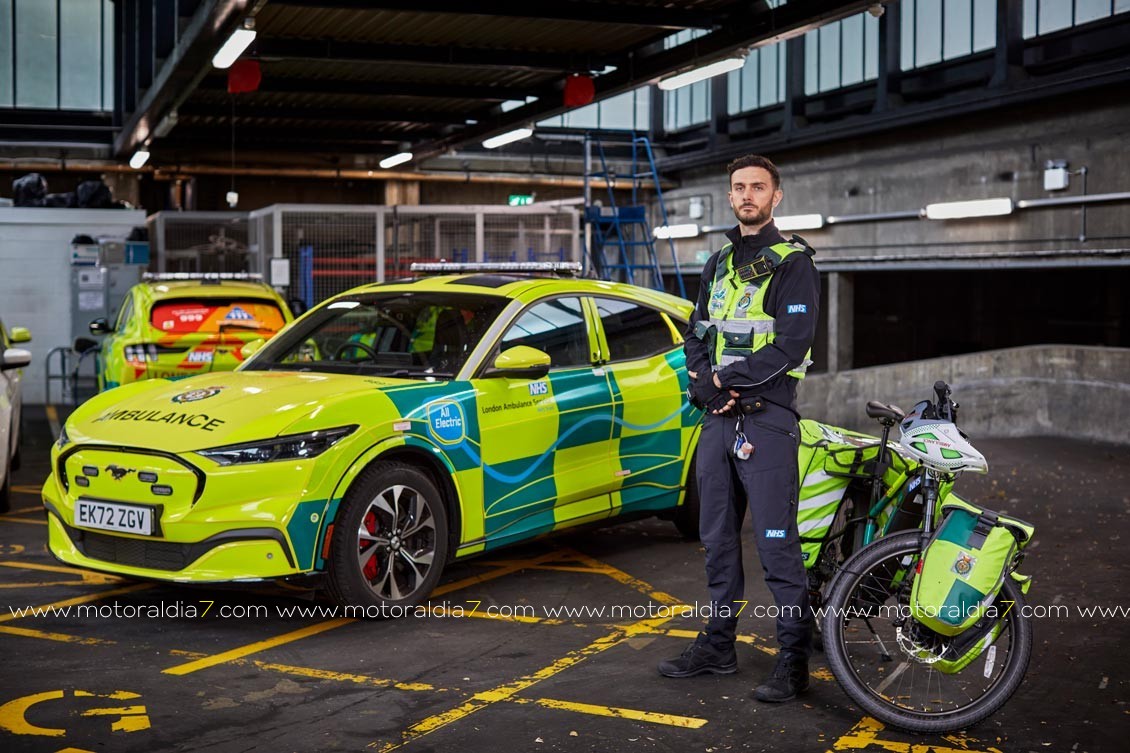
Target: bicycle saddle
[[881, 411]]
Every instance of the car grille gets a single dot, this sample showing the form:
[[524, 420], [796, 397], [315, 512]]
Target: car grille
[[156, 555]]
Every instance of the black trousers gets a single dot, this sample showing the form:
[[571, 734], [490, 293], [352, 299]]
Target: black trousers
[[767, 485]]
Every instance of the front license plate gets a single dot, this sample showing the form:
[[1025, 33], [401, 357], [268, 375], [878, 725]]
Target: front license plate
[[112, 516]]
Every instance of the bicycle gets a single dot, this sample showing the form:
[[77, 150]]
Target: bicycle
[[890, 664]]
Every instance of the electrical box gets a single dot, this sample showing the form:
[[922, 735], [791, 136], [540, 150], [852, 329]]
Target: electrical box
[[1056, 179]]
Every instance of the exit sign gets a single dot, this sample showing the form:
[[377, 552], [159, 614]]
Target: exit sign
[[520, 199]]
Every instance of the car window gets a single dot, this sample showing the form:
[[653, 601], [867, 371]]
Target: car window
[[124, 314], [631, 330], [556, 327], [181, 316], [400, 334]]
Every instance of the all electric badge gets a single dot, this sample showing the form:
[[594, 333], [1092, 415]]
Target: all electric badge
[[446, 422]]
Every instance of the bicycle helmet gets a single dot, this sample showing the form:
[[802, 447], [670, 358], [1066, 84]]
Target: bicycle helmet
[[938, 443]]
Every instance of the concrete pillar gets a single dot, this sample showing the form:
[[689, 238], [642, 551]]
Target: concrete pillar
[[402, 192], [841, 320]]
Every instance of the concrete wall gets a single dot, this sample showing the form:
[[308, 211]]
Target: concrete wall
[[996, 154], [1041, 390], [35, 275]]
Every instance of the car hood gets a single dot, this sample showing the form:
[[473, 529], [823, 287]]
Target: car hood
[[226, 408]]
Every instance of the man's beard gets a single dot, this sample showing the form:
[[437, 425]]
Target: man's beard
[[760, 218]]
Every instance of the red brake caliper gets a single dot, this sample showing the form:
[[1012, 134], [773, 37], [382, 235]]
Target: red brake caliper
[[371, 565]]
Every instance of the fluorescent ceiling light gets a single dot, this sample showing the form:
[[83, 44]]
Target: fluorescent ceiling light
[[139, 158], [700, 74], [239, 41], [956, 210], [507, 138], [663, 232], [396, 159], [799, 222]]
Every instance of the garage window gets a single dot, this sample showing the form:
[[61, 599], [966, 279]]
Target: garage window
[[633, 331]]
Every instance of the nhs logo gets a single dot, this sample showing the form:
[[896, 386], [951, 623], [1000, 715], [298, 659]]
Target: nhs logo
[[539, 388], [797, 308], [774, 533]]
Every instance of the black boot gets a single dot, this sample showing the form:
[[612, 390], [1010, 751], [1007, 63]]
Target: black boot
[[789, 679], [700, 657]]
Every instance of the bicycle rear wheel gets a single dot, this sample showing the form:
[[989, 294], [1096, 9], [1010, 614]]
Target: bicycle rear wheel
[[883, 659]]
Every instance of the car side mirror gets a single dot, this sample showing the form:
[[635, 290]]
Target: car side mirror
[[297, 307], [521, 362], [100, 327], [251, 348], [19, 335], [15, 358], [83, 344]]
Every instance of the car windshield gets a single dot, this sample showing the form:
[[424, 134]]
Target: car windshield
[[414, 335]]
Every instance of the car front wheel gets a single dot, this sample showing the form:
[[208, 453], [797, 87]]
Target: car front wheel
[[390, 540]]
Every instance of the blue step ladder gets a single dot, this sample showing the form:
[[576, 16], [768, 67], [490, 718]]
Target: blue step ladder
[[621, 243]]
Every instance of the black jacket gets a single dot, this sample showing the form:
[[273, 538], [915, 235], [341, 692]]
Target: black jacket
[[795, 287]]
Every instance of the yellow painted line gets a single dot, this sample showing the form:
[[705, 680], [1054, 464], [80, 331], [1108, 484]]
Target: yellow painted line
[[86, 576], [60, 637], [7, 519], [254, 648], [865, 734], [76, 600], [506, 568], [323, 674], [622, 577], [573, 569], [52, 418], [671, 720], [506, 692]]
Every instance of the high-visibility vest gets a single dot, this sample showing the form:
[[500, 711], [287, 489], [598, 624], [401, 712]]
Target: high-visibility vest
[[736, 307]]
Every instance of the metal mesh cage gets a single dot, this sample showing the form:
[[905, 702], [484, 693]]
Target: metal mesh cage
[[332, 248], [196, 242]]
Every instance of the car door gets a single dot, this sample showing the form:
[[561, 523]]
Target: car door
[[545, 441], [7, 399], [642, 356]]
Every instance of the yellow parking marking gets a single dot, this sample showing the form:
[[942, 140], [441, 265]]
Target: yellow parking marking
[[60, 637], [670, 720], [622, 577], [11, 550], [506, 692], [52, 419], [751, 638], [88, 577], [504, 568], [13, 720], [865, 735], [31, 611], [254, 648], [322, 674], [8, 519]]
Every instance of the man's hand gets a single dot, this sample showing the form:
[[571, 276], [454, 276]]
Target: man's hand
[[707, 394]]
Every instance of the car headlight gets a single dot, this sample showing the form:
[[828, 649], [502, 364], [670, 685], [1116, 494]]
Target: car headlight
[[289, 447]]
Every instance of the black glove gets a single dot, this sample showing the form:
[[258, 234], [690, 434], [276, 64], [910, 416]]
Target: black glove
[[706, 395], [719, 401]]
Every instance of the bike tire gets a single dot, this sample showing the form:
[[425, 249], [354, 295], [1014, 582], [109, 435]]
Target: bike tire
[[874, 561]]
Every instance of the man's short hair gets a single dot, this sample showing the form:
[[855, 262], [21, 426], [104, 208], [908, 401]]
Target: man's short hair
[[756, 160]]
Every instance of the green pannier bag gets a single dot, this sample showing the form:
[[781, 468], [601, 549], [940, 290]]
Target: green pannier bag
[[964, 566]]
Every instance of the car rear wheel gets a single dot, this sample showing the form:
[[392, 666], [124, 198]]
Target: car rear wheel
[[390, 540]]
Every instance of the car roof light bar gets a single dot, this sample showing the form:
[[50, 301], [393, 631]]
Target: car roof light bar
[[558, 267], [172, 276]]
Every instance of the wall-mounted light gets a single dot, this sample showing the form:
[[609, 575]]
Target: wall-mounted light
[[958, 210], [799, 222], [239, 41], [508, 138], [663, 232], [396, 159], [1056, 177], [139, 158], [701, 74]]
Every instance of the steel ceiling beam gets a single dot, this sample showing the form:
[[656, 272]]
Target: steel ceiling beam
[[364, 115], [276, 84], [332, 51], [190, 60], [674, 19]]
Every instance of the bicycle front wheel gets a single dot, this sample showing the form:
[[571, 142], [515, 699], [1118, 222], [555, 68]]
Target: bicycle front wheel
[[888, 664]]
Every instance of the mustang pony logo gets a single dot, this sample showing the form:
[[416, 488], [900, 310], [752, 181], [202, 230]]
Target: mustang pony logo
[[198, 394], [118, 473]]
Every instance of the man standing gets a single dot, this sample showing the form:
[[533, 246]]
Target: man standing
[[748, 345]]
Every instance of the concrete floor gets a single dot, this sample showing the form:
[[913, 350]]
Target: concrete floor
[[530, 682]]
